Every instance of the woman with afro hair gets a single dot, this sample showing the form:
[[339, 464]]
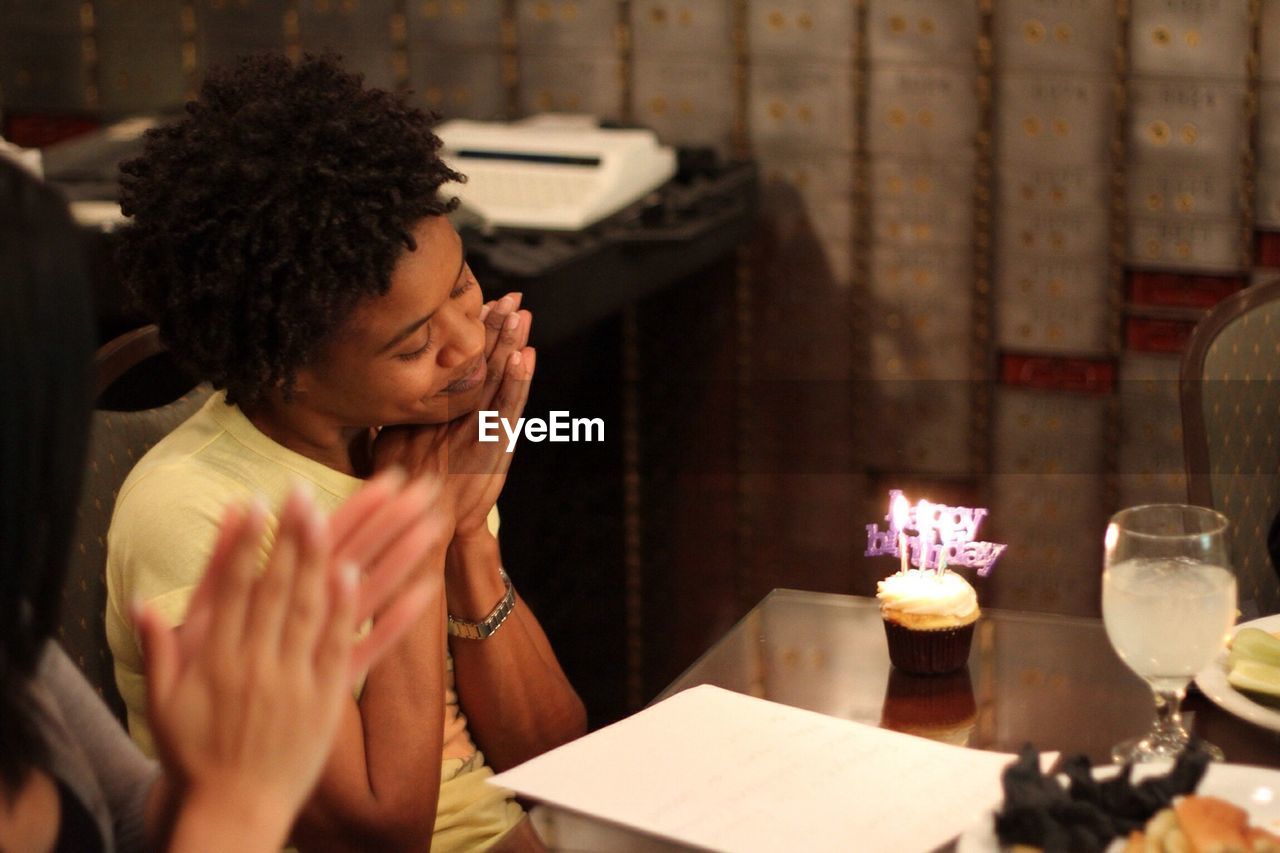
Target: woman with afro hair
[[289, 237]]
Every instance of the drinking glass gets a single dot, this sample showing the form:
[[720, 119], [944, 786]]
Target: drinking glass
[[1168, 603]]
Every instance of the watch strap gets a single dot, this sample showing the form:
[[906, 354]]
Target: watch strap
[[486, 627]]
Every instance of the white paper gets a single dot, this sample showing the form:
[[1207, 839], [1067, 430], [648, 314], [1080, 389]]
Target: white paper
[[722, 770]]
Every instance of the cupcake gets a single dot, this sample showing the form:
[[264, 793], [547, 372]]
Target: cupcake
[[928, 620]]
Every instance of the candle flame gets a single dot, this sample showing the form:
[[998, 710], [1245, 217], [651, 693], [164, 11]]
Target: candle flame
[[901, 511], [924, 511]]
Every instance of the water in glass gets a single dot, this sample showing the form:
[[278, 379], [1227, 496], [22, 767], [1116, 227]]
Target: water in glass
[[1168, 603]]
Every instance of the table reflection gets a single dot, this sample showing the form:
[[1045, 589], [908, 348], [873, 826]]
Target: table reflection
[[940, 707]]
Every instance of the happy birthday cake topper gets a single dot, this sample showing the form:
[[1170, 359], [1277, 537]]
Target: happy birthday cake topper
[[944, 536]]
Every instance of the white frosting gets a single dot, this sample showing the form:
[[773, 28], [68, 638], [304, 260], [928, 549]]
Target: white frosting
[[928, 592]]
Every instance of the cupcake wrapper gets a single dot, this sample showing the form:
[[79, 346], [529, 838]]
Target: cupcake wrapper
[[931, 652]]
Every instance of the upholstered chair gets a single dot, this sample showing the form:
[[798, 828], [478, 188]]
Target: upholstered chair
[[117, 440], [1231, 429]]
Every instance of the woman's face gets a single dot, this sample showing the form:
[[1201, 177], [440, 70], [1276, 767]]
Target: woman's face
[[414, 355]]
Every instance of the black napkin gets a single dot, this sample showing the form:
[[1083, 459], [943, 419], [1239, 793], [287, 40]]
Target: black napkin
[[1087, 813]]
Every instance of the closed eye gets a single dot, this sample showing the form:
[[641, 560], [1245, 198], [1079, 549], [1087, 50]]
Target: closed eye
[[420, 352], [468, 282]]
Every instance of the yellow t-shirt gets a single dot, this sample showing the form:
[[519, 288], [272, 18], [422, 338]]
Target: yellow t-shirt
[[162, 532]]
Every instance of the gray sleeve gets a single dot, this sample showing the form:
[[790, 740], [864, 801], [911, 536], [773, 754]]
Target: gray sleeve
[[123, 773]]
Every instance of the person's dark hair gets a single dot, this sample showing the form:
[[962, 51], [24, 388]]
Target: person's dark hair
[[45, 348], [261, 219]]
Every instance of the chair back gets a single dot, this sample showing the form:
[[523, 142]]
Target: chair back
[[117, 440], [1230, 390]]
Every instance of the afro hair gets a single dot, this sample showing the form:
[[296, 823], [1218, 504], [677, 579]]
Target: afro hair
[[262, 218]]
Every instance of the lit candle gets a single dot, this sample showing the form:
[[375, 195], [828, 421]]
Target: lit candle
[[924, 530], [901, 511]]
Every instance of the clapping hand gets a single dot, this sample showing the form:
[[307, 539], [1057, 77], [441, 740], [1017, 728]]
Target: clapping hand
[[245, 700]]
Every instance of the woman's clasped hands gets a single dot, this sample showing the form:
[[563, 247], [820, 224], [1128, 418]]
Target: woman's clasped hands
[[476, 471]]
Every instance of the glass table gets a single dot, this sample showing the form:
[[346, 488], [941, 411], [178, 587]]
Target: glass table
[[1038, 678], [1052, 681]]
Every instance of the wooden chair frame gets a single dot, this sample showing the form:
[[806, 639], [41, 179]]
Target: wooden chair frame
[[119, 355]]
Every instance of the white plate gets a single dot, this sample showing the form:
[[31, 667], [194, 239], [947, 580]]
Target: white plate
[[1213, 683], [1254, 789]]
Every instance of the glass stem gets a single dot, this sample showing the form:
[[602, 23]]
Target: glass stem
[[1169, 714]]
